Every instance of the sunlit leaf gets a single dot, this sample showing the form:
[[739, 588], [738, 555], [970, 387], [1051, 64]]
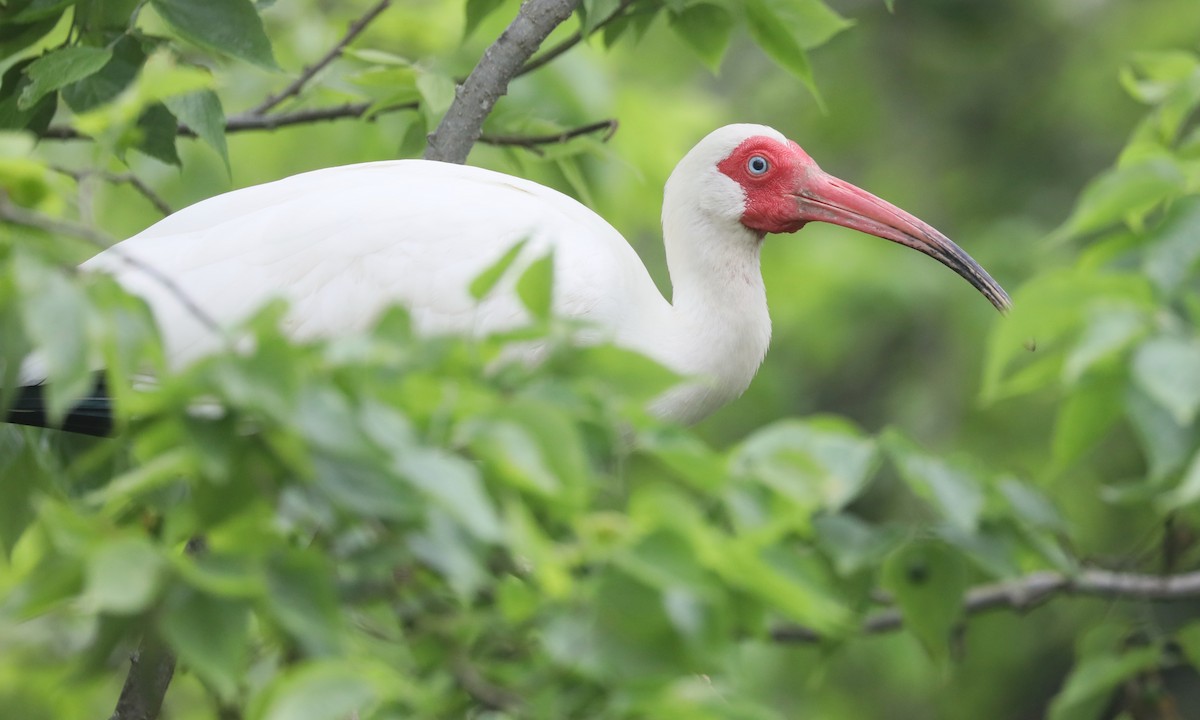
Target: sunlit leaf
[[124, 575], [201, 111], [486, 280], [1121, 193], [535, 286], [59, 68], [706, 29]]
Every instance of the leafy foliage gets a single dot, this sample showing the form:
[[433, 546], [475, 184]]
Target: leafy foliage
[[398, 526]]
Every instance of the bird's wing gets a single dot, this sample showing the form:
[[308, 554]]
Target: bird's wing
[[342, 244]]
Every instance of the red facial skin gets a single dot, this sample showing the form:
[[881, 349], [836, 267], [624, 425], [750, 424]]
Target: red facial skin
[[793, 191], [770, 197]]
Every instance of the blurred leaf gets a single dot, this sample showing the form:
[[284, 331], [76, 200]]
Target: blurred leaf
[[1110, 330], [318, 690], [16, 36], [19, 474], [1186, 492], [1165, 442], [705, 28], [1086, 414], [124, 575], [595, 12], [232, 27], [1121, 193], [535, 287], [685, 454], [58, 68], [202, 112], [446, 546], [928, 581], [158, 129], [437, 92], [54, 313], [455, 485], [1031, 506], [1168, 370], [303, 600], [485, 281], [853, 545], [954, 491], [1173, 251], [364, 488], [823, 463], [210, 635], [38, 9], [1089, 687], [1188, 638]]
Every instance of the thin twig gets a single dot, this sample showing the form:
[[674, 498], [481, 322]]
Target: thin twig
[[1029, 592], [570, 42], [117, 179], [309, 72], [488, 81], [531, 142], [16, 214]]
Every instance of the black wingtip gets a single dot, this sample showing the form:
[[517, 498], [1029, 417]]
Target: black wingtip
[[92, 415]]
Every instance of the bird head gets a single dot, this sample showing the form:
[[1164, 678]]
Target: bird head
[[757, 178]]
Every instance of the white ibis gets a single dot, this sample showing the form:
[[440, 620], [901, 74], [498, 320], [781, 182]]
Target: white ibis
[[342, 244]]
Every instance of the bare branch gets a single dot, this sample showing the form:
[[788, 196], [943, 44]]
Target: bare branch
[[16, 214], [119, 178], [309, 72], [570, 42], [474, 99], [530, 142], [1030, 591]]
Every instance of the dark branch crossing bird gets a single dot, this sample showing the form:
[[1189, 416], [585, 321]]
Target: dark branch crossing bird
[[342, 244]]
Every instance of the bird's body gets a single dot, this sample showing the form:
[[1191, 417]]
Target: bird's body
[[341, 244]]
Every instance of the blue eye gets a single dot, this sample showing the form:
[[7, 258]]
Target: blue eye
[[757, 165]]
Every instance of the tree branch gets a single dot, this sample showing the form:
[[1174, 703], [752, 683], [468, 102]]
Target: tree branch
[[474, 99], [150, 670], [309, 72], [118, 178], [530, 142], [575, 38], [1029, 592]]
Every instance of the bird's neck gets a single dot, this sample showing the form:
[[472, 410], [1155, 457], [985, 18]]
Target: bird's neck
[[720, 326]]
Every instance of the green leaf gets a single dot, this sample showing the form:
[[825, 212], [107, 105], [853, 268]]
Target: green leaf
[[19, 474], [210, 635], [927, 580], [1091, 683], [40, 9], [16, 36], [54, 313], [706, 29], [232, 27], [12, 117], [302, 598], [1168, 370], [437, 92], [124, 575], [785, 29], [110, 81], [1086, 414], [202, 112], [818, 464], [1110, 330], [455, 485], [954, 491], [1174, 252], [852, 544], [1186, 492], [1164, 441], [364, 488], [535, 287], [595, 12], [477, 11], [447, 547], [320, 690], [158, 128], [485, 281], [1122, 193], [1189, 641], [58, 68]]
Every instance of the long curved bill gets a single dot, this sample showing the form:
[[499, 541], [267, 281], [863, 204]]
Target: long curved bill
[[824, 198]]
